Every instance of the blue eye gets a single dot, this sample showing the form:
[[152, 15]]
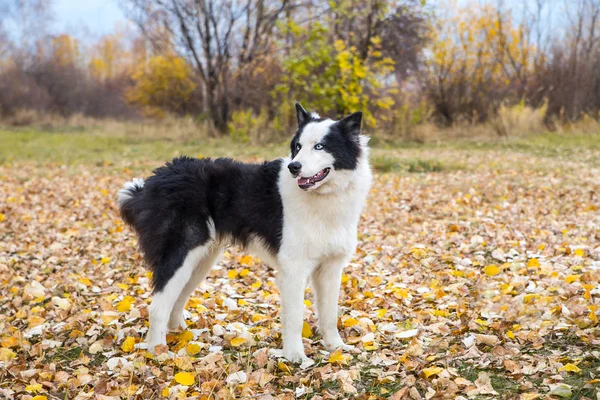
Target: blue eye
[[298, 146], [318, 146]]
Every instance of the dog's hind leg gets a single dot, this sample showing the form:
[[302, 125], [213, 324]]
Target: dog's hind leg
[[326, 281], [176, 319], [165, 299]]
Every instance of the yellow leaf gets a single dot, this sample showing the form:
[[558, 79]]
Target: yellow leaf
[[122, 286], [592, 315], [2, 217], [533, 263], [165, 392], [232, 274], [571, 368], [238, 341], [510, 335], [244, 272], [380, 313], [10, 341], [39, 397], [124, 305], [572, 278], [105, 260], [427, 372], [306, 330], [33, 388], [491, 270], [338, 358], [283, 367], [258, 317], [350, 322], [530, 297], [85, 281], [419, 254], [401, 293], [128, 344], [247, 260], [6, 355], [186, 336], [579, 252], [192, 349], [185, 378]]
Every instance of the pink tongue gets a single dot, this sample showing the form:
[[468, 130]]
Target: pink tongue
[[304, 181]]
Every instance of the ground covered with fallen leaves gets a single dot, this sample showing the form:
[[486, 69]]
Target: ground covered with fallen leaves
[[480, 280]]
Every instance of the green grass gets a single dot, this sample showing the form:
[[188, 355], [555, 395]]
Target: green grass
[[86, 146], [415, 165]]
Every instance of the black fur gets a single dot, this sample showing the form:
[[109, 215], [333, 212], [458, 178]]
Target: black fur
[[342, 141], [170, 214], [304, 117]]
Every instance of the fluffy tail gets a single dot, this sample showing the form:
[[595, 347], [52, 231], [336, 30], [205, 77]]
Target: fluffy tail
[[128, 193]]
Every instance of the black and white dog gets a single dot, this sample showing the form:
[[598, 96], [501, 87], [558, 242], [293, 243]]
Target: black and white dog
[[299, 214]]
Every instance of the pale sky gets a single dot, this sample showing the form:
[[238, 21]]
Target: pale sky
[[89, 19], [94, 17]]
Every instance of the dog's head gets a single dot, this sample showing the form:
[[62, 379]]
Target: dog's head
[[325, 153]]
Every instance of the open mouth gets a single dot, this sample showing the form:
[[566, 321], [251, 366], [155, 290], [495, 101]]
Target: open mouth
[[307, 183]]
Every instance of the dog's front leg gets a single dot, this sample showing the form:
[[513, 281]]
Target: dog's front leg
[[291, 280], [326, 280]]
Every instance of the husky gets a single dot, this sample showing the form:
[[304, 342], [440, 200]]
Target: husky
[[298, 214]]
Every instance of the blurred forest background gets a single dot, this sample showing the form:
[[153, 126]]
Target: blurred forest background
[[419, 69]]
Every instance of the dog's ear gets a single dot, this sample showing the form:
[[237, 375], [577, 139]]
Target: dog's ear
[[351, 124], [302, 115]]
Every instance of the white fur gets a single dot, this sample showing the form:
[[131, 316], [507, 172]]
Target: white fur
[[319, 238], [125, 192]]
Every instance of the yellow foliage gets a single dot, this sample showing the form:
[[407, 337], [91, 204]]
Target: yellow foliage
[[192, 349], [480, 45], [338, 358], [238, 341], [491, 270], [185, 378], [571, 368], [65, 50], [427, 372], [163, 83], [128, 344], [306, 330]]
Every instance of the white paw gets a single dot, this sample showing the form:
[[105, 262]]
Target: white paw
[[294, 355], [155, 340], [177, 322], [348, 348], [337, 343], [332, 342]]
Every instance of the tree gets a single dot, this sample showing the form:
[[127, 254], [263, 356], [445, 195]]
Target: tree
[[479, 59], [402, 26], [163, 83], [210, 34], [334, 77]]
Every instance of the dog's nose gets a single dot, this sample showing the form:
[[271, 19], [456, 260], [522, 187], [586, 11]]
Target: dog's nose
[[295, 167]]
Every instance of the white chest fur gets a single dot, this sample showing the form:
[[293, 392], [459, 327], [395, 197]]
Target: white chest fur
[[320, 225]]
